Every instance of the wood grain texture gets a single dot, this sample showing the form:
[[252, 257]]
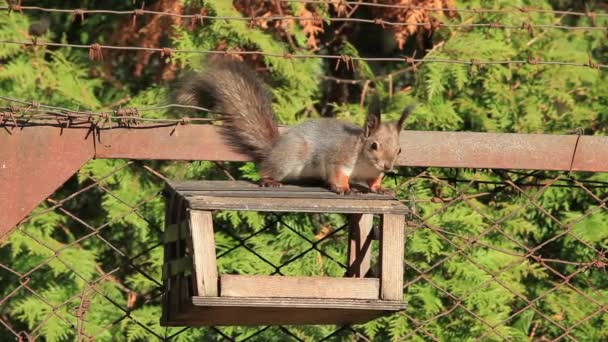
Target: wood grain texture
[[304, 303], [206, 311], [244, 188], [201, 316], [298, 287], [359, 244], [203, 243], [240, 195], [392, 242], [297, 205], [284, 194]]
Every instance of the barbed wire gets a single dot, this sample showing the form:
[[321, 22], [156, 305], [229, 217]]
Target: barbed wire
[[95, 53], [524, 25], [34, 112], [516, 9], [142, 11]]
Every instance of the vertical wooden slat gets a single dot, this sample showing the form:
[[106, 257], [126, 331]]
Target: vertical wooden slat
[[391, 257], [170, 297], [203, 241], [360, 243], [179, 251]]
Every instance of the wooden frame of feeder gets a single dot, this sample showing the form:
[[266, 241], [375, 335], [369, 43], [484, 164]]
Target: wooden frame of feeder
[[196, 295]]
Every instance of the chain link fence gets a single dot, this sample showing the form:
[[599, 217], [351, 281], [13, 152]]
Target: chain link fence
[[490, 255]]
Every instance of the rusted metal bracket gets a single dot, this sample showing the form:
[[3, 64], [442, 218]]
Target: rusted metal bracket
[[34, 162]]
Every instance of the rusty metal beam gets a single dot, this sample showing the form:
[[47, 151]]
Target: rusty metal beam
[[34, 162], [189, 142], [487, 150], [420, 148], [591, 154]]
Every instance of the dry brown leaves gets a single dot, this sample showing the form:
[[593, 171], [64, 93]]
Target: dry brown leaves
[[263, 11], [341, 7], [150, 31], [312, 25], [418, 13]]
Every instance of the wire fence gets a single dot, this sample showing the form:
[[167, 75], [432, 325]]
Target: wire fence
[[142, 11], [200, 18], [531, 243], [96, 50], [96, 53], [510, 254], [512, 9], [30, 113]]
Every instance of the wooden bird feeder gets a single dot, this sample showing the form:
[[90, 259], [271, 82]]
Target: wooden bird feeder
[[196, 295]]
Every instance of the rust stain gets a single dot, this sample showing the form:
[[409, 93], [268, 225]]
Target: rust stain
[[34, 162]]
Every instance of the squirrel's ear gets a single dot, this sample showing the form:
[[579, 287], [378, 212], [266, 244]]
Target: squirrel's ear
[[406, 112], [373, 116]]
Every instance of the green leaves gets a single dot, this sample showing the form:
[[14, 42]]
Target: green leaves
[[467, 266]]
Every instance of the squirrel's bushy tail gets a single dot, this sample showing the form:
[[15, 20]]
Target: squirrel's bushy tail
[[241, 100]]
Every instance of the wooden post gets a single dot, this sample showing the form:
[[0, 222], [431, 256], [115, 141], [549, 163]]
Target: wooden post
[[360, 242], [203, 258], [166, 316], [171, 297], [392, 237]]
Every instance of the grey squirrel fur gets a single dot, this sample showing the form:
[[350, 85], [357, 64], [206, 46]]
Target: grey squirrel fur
[[336, 152]]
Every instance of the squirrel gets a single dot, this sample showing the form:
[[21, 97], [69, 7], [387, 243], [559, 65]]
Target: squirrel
[[330, 150]]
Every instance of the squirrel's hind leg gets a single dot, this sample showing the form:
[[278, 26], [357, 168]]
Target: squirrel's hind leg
[[270, 175], [269, 182]]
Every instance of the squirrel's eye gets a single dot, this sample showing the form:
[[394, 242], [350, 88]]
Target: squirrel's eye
[[374, 146], [399, 152]]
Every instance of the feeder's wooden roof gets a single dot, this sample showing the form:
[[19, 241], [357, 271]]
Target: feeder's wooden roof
[[240, 195]]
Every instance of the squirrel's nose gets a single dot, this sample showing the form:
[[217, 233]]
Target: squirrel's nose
[[388, 167]]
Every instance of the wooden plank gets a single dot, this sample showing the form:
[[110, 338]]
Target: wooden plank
[[170, 297], [169, 208], [299, 303], [245, 186], [360, 244], [298, 287], [284, 194], [203, 243], [263, 311], [201, 316], [392, 242], [180, 216], [298, 205], [173, 297], [236, 185], [248, 189]]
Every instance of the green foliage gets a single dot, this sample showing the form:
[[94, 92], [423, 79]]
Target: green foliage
[[465, 281]]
